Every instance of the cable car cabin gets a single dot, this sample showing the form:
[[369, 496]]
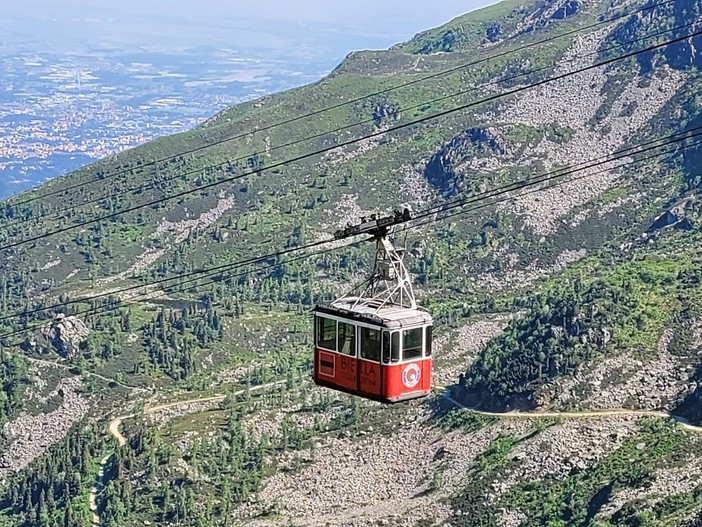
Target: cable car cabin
[[383, 355], [375, 342]]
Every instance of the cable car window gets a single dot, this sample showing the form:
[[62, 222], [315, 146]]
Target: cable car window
[[395, 348], [412, 344], [347, 339], [391, 341], [386, 347], [326, 333], [427, 346], [370, 344]]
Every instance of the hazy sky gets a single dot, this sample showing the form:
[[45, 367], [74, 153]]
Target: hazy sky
[[393, 20]]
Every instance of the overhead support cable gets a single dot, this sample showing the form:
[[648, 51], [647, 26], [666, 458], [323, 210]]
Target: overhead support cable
[[462, 66], [430, 215], [349, 142]]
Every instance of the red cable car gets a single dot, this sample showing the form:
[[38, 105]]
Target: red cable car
[[375, 342]]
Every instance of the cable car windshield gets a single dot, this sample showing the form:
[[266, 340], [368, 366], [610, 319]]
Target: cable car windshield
[[326, 333], [412, 344]]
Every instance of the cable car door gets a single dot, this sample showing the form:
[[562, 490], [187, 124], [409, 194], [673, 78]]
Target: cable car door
[[347, 373]]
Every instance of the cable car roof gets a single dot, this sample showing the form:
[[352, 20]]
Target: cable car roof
[[388, 316]]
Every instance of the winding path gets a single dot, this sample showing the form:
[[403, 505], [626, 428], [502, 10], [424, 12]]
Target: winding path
[[592, 414], [114, 429], [121, 440], [114, 425], [86, 373], [96, 488]]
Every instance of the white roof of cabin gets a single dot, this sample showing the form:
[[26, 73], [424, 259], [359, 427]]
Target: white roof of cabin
[[390, 314]]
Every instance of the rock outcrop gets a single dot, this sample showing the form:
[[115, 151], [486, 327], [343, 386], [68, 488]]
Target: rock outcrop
[[358, 481], [66, 334], [624, 381], [384, 113], [681, 55], [549, 12], [442, 170]]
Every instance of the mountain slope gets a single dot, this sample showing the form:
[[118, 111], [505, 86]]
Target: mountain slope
[[581, 296]]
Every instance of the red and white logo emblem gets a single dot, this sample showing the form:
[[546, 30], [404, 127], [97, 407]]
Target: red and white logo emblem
[[411, 375]]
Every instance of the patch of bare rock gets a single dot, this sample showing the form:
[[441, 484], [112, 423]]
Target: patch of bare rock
[[176, 232], [142, 263], [415, 188], [170, 233], [555, 452], [592, 137], [511, 276], [665, 482], [32, 435], [362, 147], [361, 481], [625, 381], [347, 211]]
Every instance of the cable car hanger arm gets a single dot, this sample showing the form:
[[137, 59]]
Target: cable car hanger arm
[[389, 284], [376, 227]]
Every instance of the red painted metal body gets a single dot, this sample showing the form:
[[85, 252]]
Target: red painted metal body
[[385, 356], [382, 382]]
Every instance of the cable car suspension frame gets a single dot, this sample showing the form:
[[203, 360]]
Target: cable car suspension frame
[[389, 283]]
